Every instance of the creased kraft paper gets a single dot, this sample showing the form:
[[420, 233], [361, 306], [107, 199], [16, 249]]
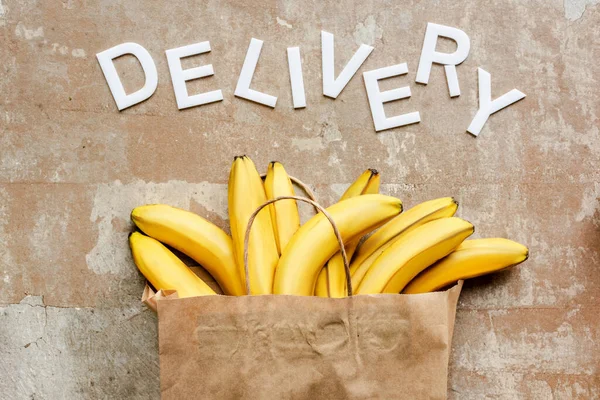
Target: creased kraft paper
[[293, 347]]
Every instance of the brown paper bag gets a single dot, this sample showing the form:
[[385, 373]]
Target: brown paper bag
[[292, 347], [298, 347]]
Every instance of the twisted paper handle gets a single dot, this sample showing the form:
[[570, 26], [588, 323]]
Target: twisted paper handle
[[305, 188], [317, 207]]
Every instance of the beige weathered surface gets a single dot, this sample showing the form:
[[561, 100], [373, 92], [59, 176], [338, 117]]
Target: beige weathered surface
[[72, 167]]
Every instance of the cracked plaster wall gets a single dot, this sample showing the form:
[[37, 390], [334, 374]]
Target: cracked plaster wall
[[72, 167]]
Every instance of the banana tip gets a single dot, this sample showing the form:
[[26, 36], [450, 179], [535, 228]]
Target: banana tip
[[132, 216], [374, 171]]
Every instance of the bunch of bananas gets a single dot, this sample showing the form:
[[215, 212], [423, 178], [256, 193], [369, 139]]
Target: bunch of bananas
[[421, 250]]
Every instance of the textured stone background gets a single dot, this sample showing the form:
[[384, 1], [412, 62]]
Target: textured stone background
[[72, 167]]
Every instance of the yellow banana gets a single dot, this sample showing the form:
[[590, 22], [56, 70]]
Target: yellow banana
[[284, 213], [412, 253], [314, 243], [163, 269], [383, 238], [335, 272], [367, 183], [246, 193], [194, 236], [373, 184], [364, 267], [322, 285], [471, 259]]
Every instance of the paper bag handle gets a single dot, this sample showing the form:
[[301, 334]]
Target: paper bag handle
[[305, 188], [317, 207]]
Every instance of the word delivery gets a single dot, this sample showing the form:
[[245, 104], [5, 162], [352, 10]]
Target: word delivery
[[332, 85]]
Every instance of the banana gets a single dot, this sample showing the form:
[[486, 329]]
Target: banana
[[284, 213], [471, 259], [383, 238], [373, 184], [367, 183], [322, 285], [163, 269], [364, 267], [314, 243], [246, 192], [334, 272], [412, 253], [194, 236]]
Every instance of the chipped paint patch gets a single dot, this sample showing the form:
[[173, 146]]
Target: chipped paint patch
[[367, 32], [574, 9], [6, 259], [63, 50], [283, 22], [33, 300], [114, 202], [334, 161], [48, 342], [58, 48], [589, 203], [493, 348], [21, 31], [78, 53], [68, 4], [393, 147]]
